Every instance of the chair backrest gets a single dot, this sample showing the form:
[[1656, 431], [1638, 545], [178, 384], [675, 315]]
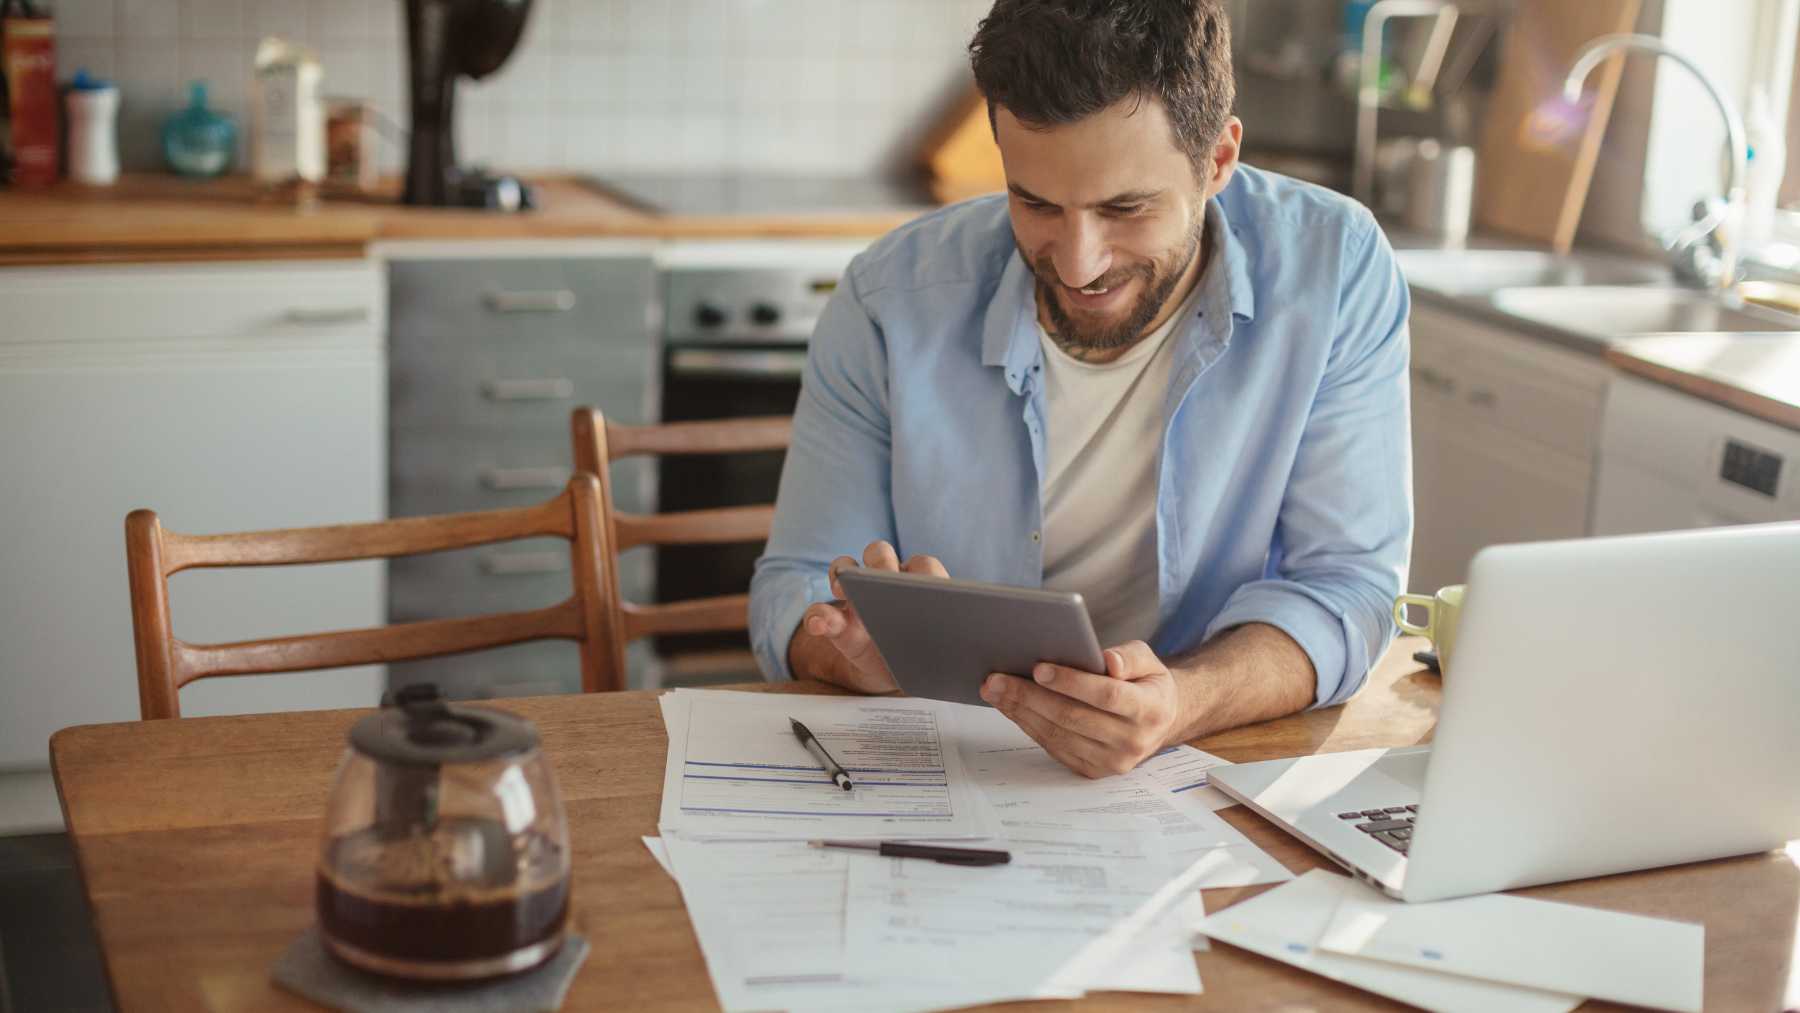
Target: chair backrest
[[165, 664], [599, 442]]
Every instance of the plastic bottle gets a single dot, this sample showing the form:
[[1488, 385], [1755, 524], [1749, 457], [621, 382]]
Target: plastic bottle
[[198, 141], [1768, 162], [93, 107]]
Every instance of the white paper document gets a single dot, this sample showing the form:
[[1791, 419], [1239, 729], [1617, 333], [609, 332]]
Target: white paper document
[[735, 769], [660, 853], [1014, 928], [1182, 770], [1650, 962], [1286, 923], [1022, 782], [770, 919]]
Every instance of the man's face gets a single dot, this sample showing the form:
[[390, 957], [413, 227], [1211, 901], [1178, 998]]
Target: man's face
[[1109, 214]]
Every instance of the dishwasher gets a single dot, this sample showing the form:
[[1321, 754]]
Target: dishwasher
[[226, 397], [1670, 461]]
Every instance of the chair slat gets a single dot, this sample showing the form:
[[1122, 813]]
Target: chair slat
[[587, 617], [699, 615], [718, 526], [403, 642], [731, 436], [378, 539]]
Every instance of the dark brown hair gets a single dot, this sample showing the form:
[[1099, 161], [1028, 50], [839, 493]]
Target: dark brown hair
[[1051, 62]]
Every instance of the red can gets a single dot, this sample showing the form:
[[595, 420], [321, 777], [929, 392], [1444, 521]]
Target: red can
[[29, 58]]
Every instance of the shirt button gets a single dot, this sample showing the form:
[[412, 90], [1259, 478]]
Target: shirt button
[[1035, 536]]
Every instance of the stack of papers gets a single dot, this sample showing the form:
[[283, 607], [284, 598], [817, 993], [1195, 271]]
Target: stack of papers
[[1494, 952], [1101, 893], [734, 769]]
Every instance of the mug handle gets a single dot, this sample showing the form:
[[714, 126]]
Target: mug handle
[[1424, 601]]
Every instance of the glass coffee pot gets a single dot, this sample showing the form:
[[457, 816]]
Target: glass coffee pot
[[446, 853]]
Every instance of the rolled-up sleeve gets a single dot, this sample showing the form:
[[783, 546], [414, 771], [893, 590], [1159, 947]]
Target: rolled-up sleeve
[[1344, 533], [835, 496]]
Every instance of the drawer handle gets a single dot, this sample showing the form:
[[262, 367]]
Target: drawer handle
[[513, 564], [550, 477], [767, 364], [559, 300], [556, 388], [327, 316]]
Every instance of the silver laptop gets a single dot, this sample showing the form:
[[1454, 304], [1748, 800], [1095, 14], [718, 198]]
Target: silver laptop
[[1615, 704]]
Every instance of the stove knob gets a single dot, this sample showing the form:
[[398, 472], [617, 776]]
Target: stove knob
[[765, 314], [708, 315]]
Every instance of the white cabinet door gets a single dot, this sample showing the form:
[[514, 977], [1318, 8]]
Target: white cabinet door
[[1433, 412], [1504, 431], [112, 397], [1497, 488]]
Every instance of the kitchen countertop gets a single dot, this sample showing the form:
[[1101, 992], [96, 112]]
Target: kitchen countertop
[[160, 218], [152, 217], [1757, 374]]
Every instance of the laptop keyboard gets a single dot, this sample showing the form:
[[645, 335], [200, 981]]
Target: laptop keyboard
[[1392, 826]]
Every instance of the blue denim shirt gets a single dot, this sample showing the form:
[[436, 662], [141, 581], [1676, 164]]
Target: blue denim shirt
[[1284, 492]]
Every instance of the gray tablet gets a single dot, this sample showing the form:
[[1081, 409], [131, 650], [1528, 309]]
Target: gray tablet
[[941, 637]]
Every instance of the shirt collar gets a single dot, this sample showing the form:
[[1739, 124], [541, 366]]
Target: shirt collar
[[1009, 328]]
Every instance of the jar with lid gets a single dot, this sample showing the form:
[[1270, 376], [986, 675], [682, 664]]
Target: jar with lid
[[446, 853]]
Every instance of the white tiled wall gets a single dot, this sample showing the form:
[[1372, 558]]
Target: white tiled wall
[[820, 86]]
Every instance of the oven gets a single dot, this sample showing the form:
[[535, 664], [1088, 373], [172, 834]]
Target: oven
[[737, 319]]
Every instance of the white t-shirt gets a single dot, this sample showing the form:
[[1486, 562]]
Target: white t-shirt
[[1103, 442]]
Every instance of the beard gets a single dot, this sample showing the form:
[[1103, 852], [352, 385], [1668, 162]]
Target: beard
[[1081, 338]]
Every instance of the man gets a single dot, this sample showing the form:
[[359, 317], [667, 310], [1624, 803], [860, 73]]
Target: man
[[1146, 373]]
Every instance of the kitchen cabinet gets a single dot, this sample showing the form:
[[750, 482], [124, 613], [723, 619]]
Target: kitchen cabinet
[[226, 397], [489, 353], [1505, 430]]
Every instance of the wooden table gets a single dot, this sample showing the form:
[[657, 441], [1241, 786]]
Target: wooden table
[[196, 841]]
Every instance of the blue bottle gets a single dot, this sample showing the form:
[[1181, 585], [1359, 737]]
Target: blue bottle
[[198, 141]]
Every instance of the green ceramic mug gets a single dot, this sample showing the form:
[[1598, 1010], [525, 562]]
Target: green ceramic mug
[[1441, 612]]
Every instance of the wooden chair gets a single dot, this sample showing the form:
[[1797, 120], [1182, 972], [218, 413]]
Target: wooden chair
[[598, 442], [165, 664]]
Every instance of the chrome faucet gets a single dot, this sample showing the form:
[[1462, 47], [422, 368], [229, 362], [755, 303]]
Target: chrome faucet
[[1724, 227]]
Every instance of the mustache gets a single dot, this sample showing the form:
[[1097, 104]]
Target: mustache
[[1047, 274]]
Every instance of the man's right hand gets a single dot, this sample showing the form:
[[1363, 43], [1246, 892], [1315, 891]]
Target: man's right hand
[[832, 644]]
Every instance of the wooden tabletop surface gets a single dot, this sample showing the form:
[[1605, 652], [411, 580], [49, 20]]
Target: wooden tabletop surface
[[162, 217], [196, 841]]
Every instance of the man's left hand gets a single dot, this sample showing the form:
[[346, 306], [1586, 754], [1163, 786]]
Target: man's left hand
[[1096, 724]]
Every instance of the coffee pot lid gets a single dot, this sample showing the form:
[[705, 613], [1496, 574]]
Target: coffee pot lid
[[416, 727]]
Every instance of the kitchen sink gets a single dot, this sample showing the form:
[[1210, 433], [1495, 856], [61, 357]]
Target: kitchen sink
[[1478, 272], [1615, 311]]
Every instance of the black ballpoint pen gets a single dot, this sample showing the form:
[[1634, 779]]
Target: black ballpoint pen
[[817, 749], [935, 852]]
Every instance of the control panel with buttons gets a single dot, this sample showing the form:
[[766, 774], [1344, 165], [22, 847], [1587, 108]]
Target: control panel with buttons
[[1753, 468]]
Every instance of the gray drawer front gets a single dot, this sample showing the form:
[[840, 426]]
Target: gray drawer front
[[518, 303], [482, 393], [438, 471]]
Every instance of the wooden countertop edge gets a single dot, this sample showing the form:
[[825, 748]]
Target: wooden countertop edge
[[125, 253], [150, 218], [1709, 388], [141, 247]]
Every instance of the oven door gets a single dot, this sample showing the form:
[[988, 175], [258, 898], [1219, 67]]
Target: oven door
[[715, 382]]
